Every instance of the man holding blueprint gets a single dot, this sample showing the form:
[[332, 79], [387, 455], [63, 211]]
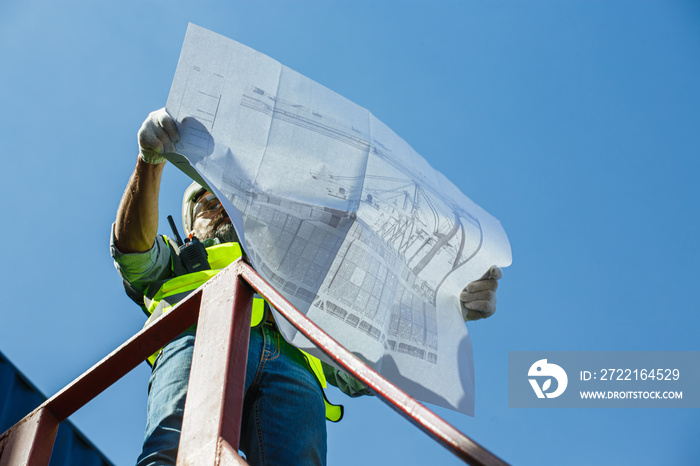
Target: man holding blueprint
[[224, 216]]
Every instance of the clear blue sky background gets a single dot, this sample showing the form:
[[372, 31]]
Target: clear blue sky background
[[575, 123]]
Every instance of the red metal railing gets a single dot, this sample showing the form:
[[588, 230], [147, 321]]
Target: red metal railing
[[212, 419]]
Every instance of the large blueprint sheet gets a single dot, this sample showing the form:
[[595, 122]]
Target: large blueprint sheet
[[338, 213]]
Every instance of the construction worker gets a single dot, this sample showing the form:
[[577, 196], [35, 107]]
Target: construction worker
[[284, 410]]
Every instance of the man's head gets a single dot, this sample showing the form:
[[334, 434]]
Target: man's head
[[203, 215]]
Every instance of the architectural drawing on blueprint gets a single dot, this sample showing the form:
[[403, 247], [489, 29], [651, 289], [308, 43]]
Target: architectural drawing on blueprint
[[337, 212], [379, 275]]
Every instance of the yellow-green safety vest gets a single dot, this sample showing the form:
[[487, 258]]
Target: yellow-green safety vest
[[162, 295]]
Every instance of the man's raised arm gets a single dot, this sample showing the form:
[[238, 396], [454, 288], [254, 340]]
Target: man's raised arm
[[137, 217]]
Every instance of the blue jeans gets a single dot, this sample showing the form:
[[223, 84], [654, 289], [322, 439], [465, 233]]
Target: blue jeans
[[284, 420]]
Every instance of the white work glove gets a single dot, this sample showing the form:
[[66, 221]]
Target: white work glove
[[157, 136], [478, 298]]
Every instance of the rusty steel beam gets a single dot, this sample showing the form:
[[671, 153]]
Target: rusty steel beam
[[429, 422], [227, 455], [35, 433], [211, 426], [30, 441], [214, 404], [123, 359]]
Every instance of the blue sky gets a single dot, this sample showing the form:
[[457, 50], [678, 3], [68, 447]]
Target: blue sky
[[574, 123]]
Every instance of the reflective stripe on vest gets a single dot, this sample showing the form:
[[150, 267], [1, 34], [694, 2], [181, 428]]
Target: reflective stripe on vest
[[334, 413], [171, 291], [167, 293], [161, 296]]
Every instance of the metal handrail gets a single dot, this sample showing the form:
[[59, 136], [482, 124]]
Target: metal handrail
[[211, 425]]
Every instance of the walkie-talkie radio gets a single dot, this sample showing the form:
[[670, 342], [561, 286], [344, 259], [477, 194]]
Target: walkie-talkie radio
[[192, 252]]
